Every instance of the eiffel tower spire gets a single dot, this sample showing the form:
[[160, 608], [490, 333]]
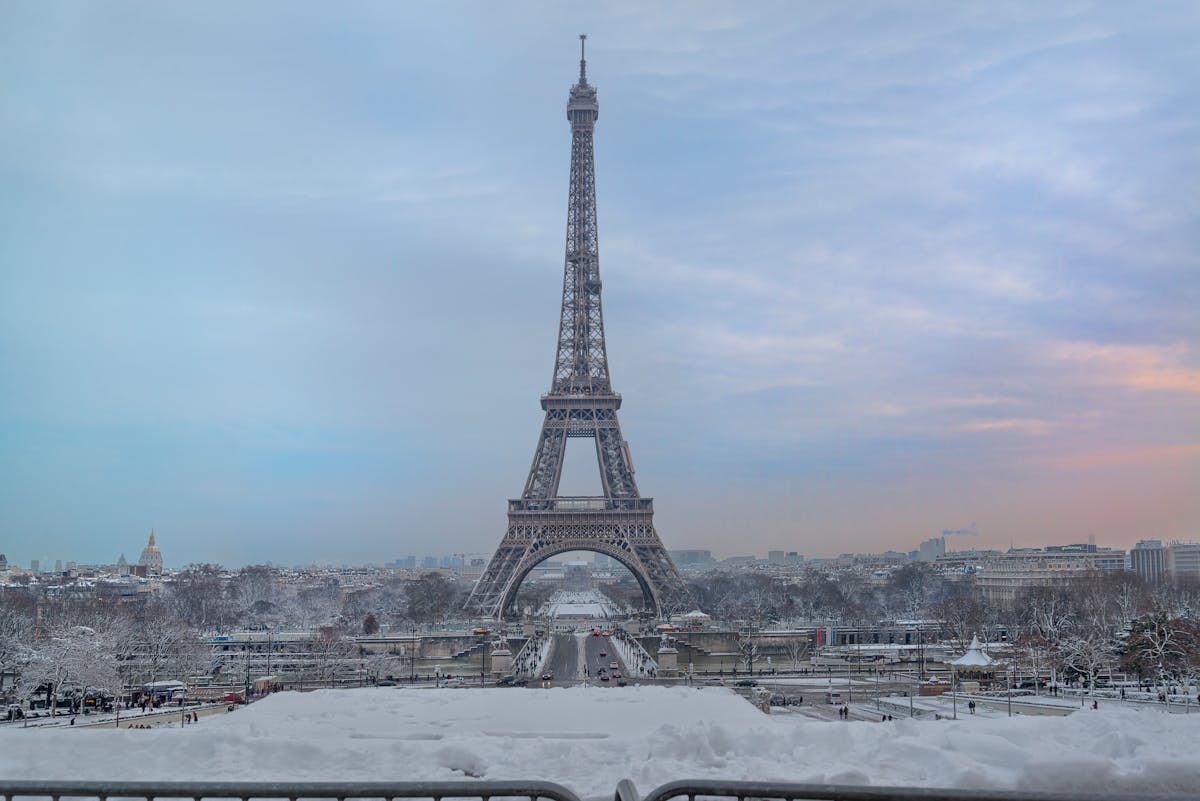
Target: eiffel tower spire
[[580, 403]]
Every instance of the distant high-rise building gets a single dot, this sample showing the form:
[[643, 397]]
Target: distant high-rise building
[[693, 557], [430, 562], [57, 565], [1149, 560], [775, 557], [35, 566], [931, 549], [3, 562], [122, 566], [1183, 560], [151, 558]]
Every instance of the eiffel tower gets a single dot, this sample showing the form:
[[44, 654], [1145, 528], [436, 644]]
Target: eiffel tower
[[581, 403]]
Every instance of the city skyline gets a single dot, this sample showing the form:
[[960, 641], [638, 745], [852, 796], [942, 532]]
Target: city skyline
[[923, 267]]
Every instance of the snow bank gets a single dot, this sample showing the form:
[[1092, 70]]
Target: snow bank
[[588, 738]]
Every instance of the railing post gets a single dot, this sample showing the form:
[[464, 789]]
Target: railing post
[[626, 791]]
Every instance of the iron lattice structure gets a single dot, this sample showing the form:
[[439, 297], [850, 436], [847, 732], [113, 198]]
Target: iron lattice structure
[[581, 403]]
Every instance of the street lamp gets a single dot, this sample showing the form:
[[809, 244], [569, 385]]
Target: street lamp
[[412, 673], [954, 690], [1007, 673]]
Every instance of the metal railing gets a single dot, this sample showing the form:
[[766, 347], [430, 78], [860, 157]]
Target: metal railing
[[582, 505], [691, 789], [783, 791], [485, 790]]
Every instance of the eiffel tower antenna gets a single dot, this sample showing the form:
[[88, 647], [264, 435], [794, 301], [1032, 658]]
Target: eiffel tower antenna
[[580, 403], [582, 60]]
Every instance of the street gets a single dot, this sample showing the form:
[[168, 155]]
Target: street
[[570, 654]]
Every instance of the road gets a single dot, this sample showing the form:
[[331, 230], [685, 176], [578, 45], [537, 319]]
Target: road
[[571, 654]]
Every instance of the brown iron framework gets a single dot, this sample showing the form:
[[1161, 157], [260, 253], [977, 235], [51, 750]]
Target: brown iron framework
[[581, 403]]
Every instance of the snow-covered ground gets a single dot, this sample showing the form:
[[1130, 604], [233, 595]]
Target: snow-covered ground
[[588, 605], [588, 738]]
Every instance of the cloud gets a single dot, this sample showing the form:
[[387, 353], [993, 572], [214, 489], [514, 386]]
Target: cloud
[[1187, 452], [1143, 367]]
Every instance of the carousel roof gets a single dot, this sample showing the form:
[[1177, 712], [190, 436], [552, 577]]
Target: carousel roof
[[974, 657]]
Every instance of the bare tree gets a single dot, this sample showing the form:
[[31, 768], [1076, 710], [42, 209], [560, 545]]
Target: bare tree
[[432, 598], [1036, 651], [963, 614], [330, 650], [1088, 653], [72, 658], [1162, 646], [197, 595], [748, 648], [16, 634], [797, 648]]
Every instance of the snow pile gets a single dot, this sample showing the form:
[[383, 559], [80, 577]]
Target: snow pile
[[588, 738]]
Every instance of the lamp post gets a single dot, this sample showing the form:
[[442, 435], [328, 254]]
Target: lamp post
[[1007, 673], [246, 651], [412, 673], [954, 690], [483, 664]]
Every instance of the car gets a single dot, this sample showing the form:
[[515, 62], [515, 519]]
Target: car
[[452, 682], [614, 665], [506, 681], [622, 683], [603, 677], [520, 682], [778, 700], [745, 683], [616, 674], [385, 683], [603, 654], [714, 683], [548, 675]]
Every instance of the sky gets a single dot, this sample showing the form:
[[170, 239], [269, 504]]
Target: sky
[[283, 282]]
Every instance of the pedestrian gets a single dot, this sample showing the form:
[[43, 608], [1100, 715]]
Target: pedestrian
[[1122, 693], [72, 720], [1095, 704]]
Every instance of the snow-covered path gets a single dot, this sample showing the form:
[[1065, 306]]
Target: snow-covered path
[[588, 738]]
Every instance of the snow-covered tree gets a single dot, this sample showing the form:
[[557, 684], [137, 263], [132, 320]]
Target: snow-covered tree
[[16, 634], [70, 658]]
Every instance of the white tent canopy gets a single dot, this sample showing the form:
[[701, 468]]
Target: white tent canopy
[[974, 657]]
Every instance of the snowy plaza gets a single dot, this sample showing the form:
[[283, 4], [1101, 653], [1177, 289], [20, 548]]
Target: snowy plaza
[[589, 738]]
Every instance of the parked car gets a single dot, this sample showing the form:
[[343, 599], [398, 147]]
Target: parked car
[[714, 683], [745, 683], [452, 683]]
